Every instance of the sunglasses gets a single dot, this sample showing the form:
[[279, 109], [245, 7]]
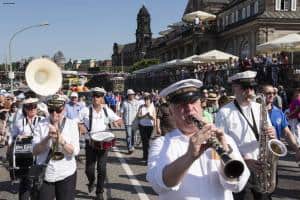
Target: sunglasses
[[57, 110], [30, 106], [245, 87]]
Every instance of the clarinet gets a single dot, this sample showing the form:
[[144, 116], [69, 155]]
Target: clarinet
[[232, 168]]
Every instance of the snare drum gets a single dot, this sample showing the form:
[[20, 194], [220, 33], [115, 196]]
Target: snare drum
[[22, 157], [102, 140]]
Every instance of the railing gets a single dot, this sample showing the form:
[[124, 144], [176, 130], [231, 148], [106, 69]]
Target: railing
[[286, 75]]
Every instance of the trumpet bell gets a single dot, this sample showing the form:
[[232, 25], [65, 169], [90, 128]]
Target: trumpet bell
[[43, 76]]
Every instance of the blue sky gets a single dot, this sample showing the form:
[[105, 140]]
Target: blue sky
[[79, 28]]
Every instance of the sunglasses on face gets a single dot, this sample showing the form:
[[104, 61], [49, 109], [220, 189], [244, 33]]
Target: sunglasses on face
[[30, 106], [245, 87], [57, 110]]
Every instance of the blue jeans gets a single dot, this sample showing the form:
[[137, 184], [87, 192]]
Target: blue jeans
[[129, 137]]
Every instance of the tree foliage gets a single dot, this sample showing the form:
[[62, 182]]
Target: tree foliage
[[143, 64]]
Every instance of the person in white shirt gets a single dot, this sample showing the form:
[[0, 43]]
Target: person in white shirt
[[241, 119], [61, 135], [22, 129], [147, 119], [96, 118], [181, 165]]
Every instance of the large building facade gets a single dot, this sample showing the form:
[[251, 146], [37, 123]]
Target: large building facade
[[240, 25]]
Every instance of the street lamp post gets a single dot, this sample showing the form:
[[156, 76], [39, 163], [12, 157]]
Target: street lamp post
[[11, 74]]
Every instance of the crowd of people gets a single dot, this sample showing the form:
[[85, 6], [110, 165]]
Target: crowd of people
[[182, 162]]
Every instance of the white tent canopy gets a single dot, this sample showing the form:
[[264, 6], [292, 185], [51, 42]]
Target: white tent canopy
[[289, 43], [215, 56], [204, 16]]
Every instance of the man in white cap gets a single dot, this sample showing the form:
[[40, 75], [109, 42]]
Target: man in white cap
[[97, 118], [181, 165], [73, 107], [241, 119], [129, 110], [61, 135]]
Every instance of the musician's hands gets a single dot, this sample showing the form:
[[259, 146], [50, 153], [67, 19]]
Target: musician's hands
[[254, 165], [270, 131], [198, 141], [219, 133], [118, 123]]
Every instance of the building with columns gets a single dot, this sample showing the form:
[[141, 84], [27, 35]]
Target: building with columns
[[240, 25]]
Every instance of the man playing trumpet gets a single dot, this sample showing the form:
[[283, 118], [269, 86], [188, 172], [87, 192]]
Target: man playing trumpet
[[58, 143], [181, 165]]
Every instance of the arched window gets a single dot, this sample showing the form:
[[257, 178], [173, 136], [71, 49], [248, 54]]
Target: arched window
[[245, 49]]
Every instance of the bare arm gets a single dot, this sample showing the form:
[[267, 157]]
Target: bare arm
[[292, 142], [41, 147]]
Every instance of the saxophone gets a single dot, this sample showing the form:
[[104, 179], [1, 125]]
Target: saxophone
[[269, 152]]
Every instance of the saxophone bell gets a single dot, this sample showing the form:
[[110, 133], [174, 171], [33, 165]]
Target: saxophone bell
[[277, 148]]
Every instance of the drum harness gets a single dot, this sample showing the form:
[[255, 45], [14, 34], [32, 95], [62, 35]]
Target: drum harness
[[91, 118]]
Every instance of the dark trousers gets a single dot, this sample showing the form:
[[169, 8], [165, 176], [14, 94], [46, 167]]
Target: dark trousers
[[248, 193], [61, 190], [145, 132], [94, 156], [24, 189]]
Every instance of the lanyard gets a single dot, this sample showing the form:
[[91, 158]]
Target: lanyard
[[253, 127]]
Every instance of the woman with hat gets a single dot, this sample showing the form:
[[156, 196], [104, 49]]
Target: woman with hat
[[57, 143], [25, 126]]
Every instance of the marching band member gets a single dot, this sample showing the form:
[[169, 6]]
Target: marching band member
[[96, 118], [180, 165], [57, 132], [26, 125], [241, 119]]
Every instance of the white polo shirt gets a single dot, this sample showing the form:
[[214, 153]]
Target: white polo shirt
[[99, 121], [234, 124], [204, 179], [23, 127], [60, 169]]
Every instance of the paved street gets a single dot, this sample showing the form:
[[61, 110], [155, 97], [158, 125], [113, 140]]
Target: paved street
[[126, 178]]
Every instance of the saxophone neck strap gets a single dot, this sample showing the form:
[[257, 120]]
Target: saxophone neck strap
[[253, 127]]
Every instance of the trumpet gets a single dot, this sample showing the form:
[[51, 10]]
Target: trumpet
[[232, 168], [57, 151]]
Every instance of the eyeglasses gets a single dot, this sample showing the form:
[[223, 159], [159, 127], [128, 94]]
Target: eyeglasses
[[30, 106], [245, 87], [57, 110], [270, 93]]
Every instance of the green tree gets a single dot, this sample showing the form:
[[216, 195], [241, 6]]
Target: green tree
[[143, 64]]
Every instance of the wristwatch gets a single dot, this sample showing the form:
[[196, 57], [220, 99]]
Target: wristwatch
[[64, 143]]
